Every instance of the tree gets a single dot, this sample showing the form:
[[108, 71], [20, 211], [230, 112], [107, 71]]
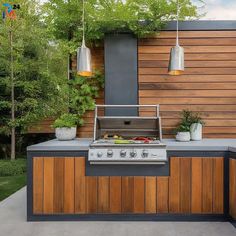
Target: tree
[[31, 72], [141, 17]]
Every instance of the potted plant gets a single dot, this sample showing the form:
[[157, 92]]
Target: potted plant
[[183, 129], [66, 127], [196, 127]]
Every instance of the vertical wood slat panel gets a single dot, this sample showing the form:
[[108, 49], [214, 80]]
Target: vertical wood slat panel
[[174, 185], [207, 195], [127, 194], [139, 194], [38, 185], [162, 194], [103, 194], [91, 194], [196, 185], [150, 195], [185, 185], [69, 186], [232, 188], [218, 185], [80, 185], [48, 185], [58, 195], [115, 194]]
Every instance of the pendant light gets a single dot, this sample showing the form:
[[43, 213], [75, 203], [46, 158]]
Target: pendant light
[[84, 67], [176, 61]]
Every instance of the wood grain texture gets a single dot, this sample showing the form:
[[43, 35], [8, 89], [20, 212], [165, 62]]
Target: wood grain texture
[[150, 195], [69, 185], [162, 194], [91, 194], [185, 185], [115, 194], [209, 77], [103, 194], [127, 194], [38, 185], [207, 185], [48, 177], [232, 188], [80, 186], [218, 185], [139, 194], [58, 187], [196, 186], [174, 185]]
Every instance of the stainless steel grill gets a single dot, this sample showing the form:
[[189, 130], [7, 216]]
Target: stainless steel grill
[[127, 140]]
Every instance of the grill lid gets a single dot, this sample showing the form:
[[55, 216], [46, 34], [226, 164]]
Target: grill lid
[[127, 127]]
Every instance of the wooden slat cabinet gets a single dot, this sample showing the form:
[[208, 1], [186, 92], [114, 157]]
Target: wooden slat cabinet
[[195, 185], [232, 188]]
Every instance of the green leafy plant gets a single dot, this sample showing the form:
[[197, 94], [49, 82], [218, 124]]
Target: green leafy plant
[[66, 120], [11, 168], [187, 119], [82, 93], [196, 118]]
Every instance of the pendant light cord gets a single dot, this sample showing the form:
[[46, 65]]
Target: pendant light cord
[[83, 42], [177, 24]]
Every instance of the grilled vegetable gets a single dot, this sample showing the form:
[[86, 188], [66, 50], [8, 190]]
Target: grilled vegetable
[[118, 141]]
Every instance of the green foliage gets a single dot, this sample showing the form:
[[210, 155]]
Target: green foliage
[[12, 168], [40, 70], [187, 119], [83, 91], [196, 118], [66, 120], [142, 17]]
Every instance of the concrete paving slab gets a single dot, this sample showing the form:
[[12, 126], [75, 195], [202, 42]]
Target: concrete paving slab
[[13, 223]]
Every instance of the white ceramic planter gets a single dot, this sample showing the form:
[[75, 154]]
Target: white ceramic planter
[[196, 131], [64, 134], [183, 136]]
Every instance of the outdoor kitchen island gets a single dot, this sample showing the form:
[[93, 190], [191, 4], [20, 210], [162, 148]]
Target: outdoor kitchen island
[[197, 183]]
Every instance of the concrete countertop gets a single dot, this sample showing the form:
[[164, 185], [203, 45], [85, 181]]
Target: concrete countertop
[[172, 145]]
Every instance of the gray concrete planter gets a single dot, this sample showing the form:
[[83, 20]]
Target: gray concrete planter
[[183, 136], [65, 134]]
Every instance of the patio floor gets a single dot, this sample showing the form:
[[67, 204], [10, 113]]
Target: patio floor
[[13, 223]]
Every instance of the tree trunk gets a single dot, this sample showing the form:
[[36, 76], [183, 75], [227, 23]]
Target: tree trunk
[[13, 131]]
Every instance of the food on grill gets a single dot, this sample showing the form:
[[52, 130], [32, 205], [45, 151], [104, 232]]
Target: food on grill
[[119, 141], [107, 136], [144, 139]]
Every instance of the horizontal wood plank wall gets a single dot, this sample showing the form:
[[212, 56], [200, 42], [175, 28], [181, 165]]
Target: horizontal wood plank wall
[[195, 185], [87, 130], [232, 188], [208, 84]]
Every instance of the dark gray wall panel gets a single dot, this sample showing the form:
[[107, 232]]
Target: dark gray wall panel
[[203, 25], [121, 73]]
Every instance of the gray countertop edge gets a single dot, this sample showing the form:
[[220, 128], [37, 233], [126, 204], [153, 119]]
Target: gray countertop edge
[[172, 145]]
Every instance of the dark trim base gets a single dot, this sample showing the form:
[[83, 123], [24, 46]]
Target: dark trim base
[[131, 217]]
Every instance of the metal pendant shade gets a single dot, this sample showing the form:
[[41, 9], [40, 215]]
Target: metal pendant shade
[[176, 61], [84, 65]]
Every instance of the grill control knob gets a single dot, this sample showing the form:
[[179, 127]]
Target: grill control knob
[[109, 153], [133, 154], [122, 153], [99, 154], [145, 153]]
